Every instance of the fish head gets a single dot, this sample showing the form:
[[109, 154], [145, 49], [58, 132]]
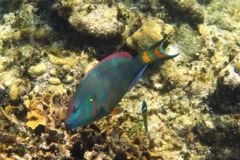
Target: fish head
[[77, 113]]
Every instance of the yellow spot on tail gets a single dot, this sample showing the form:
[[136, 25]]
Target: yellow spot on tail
[[91, 99], [158, 54], [146, 58]]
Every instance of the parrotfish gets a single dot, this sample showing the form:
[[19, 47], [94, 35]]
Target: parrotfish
[[103, 87], [145, 115]]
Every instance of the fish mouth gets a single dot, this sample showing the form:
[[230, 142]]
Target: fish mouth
[[70, 125]]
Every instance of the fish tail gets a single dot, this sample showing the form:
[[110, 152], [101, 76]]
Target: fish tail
[[156, 53]]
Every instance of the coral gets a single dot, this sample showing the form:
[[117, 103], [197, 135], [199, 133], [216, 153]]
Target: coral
[[231, 78], [56, 90], [2, 68], [92, 155], [37, 70], [66, 68], [188, 10], [224, 132], [90, 66], [54, 81], [35, 119], [227, 20], [237, 65], [68, 79], [186, 36], [14, 92], [44, 33], [3, 63], [230, 74], [99, 22], [6, 30], [60, 61], [151, 32], [228, 86], [53, 72], [193, 100]]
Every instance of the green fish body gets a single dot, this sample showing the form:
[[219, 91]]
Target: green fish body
[[105, 85]]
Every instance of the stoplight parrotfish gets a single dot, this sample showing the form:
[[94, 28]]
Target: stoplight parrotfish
[[103, 87]]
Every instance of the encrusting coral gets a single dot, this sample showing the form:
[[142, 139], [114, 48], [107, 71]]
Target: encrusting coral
[[54, 81], [37, 70], [35, 119], [60, 61], [14, 92]]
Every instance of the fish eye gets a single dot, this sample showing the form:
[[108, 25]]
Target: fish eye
[[76, 106]]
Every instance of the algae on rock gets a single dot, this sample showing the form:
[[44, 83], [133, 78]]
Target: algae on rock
[[100, 22]]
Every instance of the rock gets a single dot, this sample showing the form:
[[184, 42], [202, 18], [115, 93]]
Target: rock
[[89, 66], [188, 10], [237, 67], [44, 33], [230, 73], [2, 68], [151, 32], [101, 22], [226, 96]]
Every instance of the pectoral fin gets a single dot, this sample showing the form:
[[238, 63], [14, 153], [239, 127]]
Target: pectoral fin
[[116, 111], [136, 79]]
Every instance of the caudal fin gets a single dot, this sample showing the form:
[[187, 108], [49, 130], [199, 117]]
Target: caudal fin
[[156, 53]]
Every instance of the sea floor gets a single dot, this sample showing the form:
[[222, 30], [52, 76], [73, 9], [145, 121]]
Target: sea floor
[[193, 100]]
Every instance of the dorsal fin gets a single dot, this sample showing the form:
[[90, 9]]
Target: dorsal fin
[[116, 55], [110, 57]]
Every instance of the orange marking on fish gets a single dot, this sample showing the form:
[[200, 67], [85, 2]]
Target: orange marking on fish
[[145, 57], [116, 111], [158, 54]]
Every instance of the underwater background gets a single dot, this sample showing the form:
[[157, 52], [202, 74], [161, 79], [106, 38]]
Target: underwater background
[[193, 100]]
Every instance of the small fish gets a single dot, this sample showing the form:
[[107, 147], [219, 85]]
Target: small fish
[[106, 83], [145, 115]]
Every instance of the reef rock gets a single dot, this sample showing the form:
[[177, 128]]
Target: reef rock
[[188, 10], [100, 22], [151, 32], [230, 74]]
